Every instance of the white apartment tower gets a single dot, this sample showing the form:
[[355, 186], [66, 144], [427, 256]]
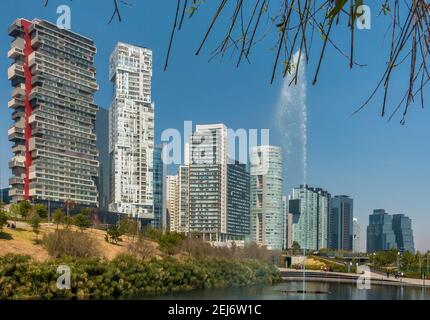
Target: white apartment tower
[[172, 202], [207, 179], [131, 131], [267, 208]]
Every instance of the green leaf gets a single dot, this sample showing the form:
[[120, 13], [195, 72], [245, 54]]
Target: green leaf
[[337, 8]]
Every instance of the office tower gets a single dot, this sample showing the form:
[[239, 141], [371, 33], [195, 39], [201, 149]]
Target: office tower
[[340, 223], [54, 143], [284, 221], [131, 131], [172, 203], [208, 182], [159, 189], [183, 190], [238, 201], [4, 196], [102, 133], [266, 196], [380, 234], [402, 227], [310, 208], [355, 236]]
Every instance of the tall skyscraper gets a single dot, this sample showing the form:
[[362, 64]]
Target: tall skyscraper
[[238, 201], [172, 203], [380, 234], [340, 223], [266, 197], [310, 209], [402, 227], [208, 182], [131, 131], [102, 132], [356, 247], [54, 143], [159, 189], [183, 199]]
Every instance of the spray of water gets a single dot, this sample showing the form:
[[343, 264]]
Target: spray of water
[[292, 122]]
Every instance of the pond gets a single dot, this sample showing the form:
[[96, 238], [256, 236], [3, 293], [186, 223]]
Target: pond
[[293, 290]]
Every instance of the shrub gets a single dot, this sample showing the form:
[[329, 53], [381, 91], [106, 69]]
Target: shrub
[[125, 276], [66, 242], [141, 249]]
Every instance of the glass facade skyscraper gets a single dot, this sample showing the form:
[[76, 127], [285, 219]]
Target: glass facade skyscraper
[[267, 214], [159, 189], [402, 227], [340, 223], [238, 189], [310, 209], [380, 234]]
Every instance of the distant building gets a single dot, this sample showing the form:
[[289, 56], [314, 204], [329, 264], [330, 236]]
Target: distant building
[[183, 200], [238, 201], [355, 236], [159, 189], [4, 196], [341, 223], [284, 222], [310, 209], [402, 227], [380, 234], [267, 214], [102, 142], [172, 203]]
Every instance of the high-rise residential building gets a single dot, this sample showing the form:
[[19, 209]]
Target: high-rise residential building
[[284, 222], [238, 201], [340, 223], [356, 247], [402, 227], [159, 189], [267, 214], [131, 131], [102, 132], [183, 199], [310, 208], [208, 182], [289, 231], [380, 234], [172, 202], [54, 141]]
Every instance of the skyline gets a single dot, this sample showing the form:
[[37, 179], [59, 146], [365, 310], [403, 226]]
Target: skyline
[[170, 94]]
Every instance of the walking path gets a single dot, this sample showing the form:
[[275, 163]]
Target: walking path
[[335, 276]]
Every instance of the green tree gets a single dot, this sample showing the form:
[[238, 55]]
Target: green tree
[[24, 209], [58, 216], [41, 210], [3, 219], [114, 233], [129, 226], [81, 221], [35, 225]]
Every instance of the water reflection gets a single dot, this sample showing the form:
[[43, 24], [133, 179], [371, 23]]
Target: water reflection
[[293, 290]]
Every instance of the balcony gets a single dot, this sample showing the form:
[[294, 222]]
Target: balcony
[[15, 71], [15, 103], [18, 148], [16, 180], [18, 161], [19, 92], [15, 133], [15, 52], [13, 192]]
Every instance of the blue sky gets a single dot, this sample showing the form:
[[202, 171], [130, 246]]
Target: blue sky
[[380, 164]]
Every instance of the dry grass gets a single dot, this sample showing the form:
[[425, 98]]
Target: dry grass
[[22, 241]]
